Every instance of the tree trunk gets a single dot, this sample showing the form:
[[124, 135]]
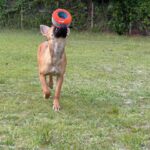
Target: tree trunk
[[90, 14], [57, 3], [21, 18], [130, 28]]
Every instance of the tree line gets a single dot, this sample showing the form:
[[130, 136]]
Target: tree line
[[121, 16]]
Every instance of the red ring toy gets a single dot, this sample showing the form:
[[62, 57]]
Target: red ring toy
[[61, 16]]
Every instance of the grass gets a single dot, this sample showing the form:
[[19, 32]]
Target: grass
[[105, 97]]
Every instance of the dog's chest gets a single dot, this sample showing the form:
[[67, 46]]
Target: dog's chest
[[58, 50], [57, 53]]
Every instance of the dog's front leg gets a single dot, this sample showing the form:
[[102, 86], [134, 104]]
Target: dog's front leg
[[56, 105], [45, 88]]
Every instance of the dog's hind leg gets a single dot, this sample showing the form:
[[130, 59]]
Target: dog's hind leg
[[45, 87], [50, 82]]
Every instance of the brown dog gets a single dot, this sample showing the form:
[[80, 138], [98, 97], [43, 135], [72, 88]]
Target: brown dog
[[52, 60]]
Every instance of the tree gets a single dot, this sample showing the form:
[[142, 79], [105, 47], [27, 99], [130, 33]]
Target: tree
[[90, 7]]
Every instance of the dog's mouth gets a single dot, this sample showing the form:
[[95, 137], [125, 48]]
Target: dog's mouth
[[60, 32]]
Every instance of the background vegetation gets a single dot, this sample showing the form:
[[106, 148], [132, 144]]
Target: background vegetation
[[132, 17]]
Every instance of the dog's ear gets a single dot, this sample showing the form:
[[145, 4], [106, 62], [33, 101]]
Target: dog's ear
[[44, 30]]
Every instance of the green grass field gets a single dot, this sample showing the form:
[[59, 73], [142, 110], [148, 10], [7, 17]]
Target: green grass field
[[105, 98]]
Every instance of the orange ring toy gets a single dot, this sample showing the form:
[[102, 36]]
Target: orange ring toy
[[61, 17]]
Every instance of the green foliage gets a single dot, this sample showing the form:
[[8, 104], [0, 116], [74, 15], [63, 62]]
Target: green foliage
[[121, 16], [36, 12], [144, 14], [127, 15]]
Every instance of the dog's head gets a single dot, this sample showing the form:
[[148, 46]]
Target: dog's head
[[54, 32]]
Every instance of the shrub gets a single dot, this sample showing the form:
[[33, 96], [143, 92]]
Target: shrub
[[129, 15]]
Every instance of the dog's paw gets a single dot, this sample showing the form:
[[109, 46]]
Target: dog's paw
[[56, 106], [46, 95]]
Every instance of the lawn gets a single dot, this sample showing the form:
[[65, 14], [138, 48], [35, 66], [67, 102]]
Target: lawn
[[105, 97]]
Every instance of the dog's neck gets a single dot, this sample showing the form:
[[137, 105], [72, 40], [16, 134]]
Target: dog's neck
[[57, 47]]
